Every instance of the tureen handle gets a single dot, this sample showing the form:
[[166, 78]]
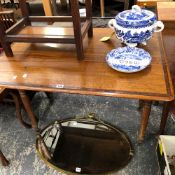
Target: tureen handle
[[159, 26], [136, 8], [111, 23]]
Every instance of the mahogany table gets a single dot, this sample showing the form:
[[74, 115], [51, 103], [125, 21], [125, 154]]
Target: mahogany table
[[54, 68], [150, 3], [166, 11]]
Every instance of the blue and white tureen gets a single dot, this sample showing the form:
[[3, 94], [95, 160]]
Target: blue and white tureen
[[135, 26]]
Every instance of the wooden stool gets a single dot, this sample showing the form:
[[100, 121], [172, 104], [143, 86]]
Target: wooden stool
[[79, 29]]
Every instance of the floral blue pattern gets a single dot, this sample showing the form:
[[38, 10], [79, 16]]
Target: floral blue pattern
[[128, 59], [127, 37], [135, 18], [135, 26]]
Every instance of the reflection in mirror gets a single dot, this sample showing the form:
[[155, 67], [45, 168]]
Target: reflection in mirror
[[85, 146]]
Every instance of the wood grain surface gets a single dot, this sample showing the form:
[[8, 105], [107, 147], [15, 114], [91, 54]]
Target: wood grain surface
[[166, 11], [54, 67], [149, 3]]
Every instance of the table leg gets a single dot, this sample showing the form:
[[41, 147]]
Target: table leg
[[144, 119], [102, 9], [140, 104], [3, 159], [165, 112], [18, 104], [28, 108], [27, 105]]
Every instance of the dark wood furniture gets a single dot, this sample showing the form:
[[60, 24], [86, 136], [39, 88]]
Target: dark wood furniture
[[150, 3], [12, 96], [166, 13], [7, 19], [79, 29], [7, 4], [3, 159], [39, 67]]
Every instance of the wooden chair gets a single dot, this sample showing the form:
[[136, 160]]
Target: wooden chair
[[12, 96], [7, 19], [3, 159], [9, 4], [79, 29], [166, 13], [7, 95]]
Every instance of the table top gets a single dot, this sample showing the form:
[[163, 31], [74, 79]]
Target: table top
[[55, 68], [166, 11], [150, 2]]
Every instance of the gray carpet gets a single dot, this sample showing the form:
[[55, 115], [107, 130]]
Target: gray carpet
[[18, 143]]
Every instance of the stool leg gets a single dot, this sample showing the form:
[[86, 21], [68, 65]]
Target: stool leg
[[3, 159], [77, 28]]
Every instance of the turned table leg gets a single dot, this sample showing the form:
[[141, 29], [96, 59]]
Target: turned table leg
[[140, 104], [165, 112], [28, 108], [3, 160], [144, 119], [18, 104], [27, 105]]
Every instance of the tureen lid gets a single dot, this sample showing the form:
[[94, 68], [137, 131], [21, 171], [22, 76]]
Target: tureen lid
[[136, 17]]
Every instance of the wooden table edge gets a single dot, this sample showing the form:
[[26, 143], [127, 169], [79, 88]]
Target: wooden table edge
[[107, 93]]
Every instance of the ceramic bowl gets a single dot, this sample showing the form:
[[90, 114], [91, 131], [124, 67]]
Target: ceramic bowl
[[128, 59]]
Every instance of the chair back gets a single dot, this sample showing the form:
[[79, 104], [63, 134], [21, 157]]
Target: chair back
[[7, 19]]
